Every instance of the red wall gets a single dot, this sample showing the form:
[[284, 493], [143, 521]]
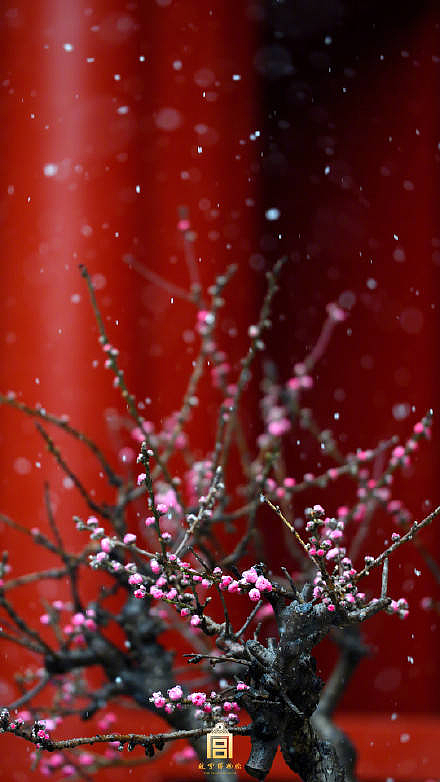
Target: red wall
[[176, 63]]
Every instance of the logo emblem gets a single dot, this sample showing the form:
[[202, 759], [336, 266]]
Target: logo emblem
[[219, 743]]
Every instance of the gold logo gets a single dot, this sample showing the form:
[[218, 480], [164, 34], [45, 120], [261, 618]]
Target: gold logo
[[219, 743]]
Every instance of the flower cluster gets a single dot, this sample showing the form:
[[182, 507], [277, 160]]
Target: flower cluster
[[209, 708]]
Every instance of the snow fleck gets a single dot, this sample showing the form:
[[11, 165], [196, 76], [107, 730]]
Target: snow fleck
[[122, 110], [177, 65], [404, 738], [168, 118], [50, 169], [273, 213], [401, 411], [236, 77], [399, 255], [22, 465], [75, 298], [68, 47]]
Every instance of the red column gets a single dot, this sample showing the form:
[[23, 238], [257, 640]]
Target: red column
[[118, 122]]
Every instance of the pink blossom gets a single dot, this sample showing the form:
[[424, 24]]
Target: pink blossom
[[197, 698], [336, 313], [234, 587], [129, 538], [139, 593], [263, 584], [106, 545], [225, 581], [254, 595], [332, 553], [68, 770], [279, 427], [242, 686], [136, 578], [158, 700], [184, 612], [195, 620], [175, 693], [289, 483], [264, 612], [156, 592], [171, 594], [86, 759], [331, 607], [149, 521], [141, 478], [154, 565]]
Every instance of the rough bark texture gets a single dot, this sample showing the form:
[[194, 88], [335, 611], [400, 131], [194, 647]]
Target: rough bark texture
[[312, 758], [148, 667]]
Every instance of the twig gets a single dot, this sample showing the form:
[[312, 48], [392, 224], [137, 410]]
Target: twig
[[414, 530]]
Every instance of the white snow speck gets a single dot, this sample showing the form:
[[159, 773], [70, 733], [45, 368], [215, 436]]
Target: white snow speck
[[122, 110], [22, 465], [50, 169], [236, 77], [168, 118], [68, 47], [273, 213]]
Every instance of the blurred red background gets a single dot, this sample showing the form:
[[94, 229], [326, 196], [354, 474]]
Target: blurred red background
[[119, 119]]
